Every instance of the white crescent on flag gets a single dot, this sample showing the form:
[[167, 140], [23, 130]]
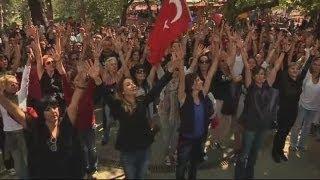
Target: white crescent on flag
[[178, 5]]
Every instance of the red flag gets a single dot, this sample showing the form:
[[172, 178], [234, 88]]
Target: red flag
[[173, 20], [217, 18]]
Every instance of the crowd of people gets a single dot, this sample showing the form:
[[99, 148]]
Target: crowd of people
[[246, 80]]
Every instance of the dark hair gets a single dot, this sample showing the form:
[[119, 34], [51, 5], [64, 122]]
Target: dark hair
[[133, 72], [256, 70], [44, 103], [135, 68], [48, 101], [2, 56], [189, 81]]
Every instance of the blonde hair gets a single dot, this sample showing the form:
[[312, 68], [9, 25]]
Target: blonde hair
[[4, 79]]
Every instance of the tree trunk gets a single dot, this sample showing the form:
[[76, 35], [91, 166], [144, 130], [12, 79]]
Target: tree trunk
[[49, 9], [37, 12], [1, 16], [125, 6], [82, 6], [124, 16]]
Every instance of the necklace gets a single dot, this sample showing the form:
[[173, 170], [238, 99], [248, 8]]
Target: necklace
[[52, 143]]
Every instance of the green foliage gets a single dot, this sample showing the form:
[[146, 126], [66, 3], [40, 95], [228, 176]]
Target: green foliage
[[13, 9], [100, 11]]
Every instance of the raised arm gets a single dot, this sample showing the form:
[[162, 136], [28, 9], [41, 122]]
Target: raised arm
[[80, 87], [152, 75], [37, 50], [273, 72], [13, 110], [23, 92], [177, 57], [244, 54], [57, 55], [17, 57], [118, 47], [314, 53], [212, 70]]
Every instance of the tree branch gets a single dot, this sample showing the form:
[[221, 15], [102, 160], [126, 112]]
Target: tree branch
[[269, 4]]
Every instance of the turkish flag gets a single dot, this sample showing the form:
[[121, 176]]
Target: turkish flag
[[172, 21], [217, 18]]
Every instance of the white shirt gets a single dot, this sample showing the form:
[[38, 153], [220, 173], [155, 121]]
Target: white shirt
[[238, 66], [8, 123], [310, 96]]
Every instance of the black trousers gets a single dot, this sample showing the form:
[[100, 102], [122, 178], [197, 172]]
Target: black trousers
[[286, 120]]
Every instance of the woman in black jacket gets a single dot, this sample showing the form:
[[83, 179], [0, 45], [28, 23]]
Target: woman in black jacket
[[289, 82], [258, 114], [135, 134]]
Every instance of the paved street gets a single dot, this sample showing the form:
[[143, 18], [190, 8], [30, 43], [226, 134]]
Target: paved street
[[218, 166], [299, 166]]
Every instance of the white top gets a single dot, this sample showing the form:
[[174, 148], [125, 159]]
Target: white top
[[238, 66], [310, 96], [8, 123]]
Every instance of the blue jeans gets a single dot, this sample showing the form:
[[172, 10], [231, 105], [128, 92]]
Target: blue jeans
[[251, 144], [88, 139], [108, 118], [302, 125], [15, 144], [190, 152], [135, 163]]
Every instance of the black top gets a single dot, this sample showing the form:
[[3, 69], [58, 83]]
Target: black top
[[134, 131], [61, 161], [51, 85], [260, 107], [290, 90], [187, 115], [221, 86]]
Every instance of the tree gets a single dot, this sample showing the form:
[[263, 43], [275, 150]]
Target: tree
[[37, 12], [125, 6], [233, 8]]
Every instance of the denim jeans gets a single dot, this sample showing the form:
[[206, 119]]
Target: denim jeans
[[15, 144], [190, 152], [89, 150], [108, 118], [135, 163], [251, 144], [302, 125]]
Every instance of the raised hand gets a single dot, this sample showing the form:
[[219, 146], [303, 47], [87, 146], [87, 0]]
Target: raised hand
[[97, 48], [199, 50], [117, 43], [92, 68]]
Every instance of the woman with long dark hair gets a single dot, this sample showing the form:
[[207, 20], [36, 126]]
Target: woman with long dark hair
[[259, 113], [135, 134], [195, 110]]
